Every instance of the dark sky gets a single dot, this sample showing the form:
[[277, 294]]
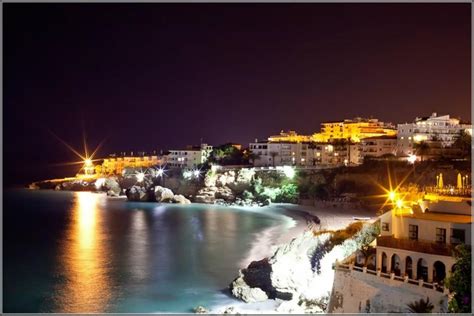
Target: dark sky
[[157, 76]]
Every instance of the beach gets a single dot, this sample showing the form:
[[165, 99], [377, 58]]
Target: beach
[[301, 218]]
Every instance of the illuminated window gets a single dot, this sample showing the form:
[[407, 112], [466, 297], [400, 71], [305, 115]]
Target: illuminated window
[[441, 235]]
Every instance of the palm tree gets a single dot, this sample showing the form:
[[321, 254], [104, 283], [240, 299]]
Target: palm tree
[[422, 148], [463, 142], [273, 154], [251, 157], [421, 306]]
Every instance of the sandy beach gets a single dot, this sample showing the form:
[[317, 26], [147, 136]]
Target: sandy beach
[[300, 218]]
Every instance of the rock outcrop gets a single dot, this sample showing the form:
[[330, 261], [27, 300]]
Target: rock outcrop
[[154, 194], [180, 199], [200, 310], [163, 194], [289, 275], [138, 194]]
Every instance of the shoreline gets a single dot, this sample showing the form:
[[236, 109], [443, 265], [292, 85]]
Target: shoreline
[[302, 217]]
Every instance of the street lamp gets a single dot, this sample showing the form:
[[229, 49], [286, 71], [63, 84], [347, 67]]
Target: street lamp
[[161, 174], [392, 195], [140, 176]]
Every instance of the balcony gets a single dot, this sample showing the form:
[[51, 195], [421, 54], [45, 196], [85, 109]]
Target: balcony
[[415, 245]]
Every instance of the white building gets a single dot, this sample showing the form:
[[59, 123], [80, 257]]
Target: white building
[[304, 154], [190, 157], [418, 241], [377, 146], [443, 129]]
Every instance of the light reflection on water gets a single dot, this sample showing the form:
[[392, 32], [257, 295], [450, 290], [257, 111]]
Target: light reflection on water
[[84, 258], [100, 255]]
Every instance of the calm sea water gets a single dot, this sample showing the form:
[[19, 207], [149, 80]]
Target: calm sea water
[[80, 252]]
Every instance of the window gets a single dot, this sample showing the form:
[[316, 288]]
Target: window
[[385, 227], [457, 236], [441, 235], [413, 232]]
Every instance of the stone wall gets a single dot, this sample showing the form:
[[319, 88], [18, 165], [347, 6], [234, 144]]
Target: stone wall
[[359, 292]]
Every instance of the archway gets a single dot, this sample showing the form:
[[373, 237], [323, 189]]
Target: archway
[[371, 262], [396, 265], [439, 272], [422, 270], [409, 267], [384, 262], [360, 259]]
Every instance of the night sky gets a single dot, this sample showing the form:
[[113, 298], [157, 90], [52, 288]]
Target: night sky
[[161, 76]]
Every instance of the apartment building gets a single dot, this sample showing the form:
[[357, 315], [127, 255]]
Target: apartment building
[[190, 157], [116, 164], [440, 129]]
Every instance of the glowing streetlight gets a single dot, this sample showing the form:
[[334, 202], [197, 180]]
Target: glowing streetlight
[[411, 159], [399, 203], [88, 162], [160, 172], [392, 195], [289, 171], [196, 173], [140, 176]]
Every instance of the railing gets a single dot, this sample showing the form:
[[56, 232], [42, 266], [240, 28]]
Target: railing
[[450, 191], [421, 283], [415, 245]]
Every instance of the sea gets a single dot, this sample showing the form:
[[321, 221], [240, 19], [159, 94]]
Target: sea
[[81, 252]]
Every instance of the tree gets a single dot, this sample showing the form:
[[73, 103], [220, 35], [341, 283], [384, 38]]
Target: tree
[[288, 193], [422, 148], [227, 154], [459, 282], [463, 142], [421, 306], [251, 157], [273, 154]]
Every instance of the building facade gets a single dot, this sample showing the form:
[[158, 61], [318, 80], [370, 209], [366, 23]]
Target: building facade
[[304, 154], [190, 157], [442, 130], [354, 129], [116, 165], [418, 241], [377, 147]]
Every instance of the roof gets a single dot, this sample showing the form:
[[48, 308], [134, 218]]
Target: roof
[[394, 137], [440, 217]]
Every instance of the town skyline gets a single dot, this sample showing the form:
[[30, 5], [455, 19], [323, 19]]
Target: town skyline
[[163, 76]]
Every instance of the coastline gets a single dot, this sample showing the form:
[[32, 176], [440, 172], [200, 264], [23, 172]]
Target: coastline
[[300, 219]]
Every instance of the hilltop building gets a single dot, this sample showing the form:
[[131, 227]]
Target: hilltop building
[[190, 157], [378, 146], [433, 129], [354, 129], [304, 154]]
